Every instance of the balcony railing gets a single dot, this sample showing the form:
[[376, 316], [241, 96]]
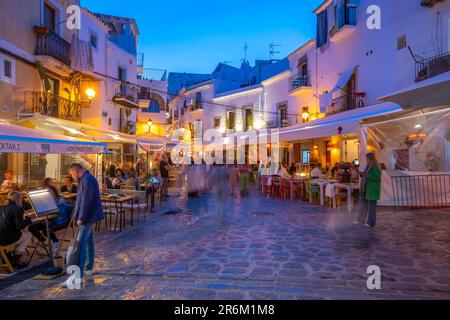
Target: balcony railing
[[347, 102], [51, 44], [298, 81], [431, 67], [285, 120], [346, 16], [49, 104], [127, 95], [195, 105], [126, 126]]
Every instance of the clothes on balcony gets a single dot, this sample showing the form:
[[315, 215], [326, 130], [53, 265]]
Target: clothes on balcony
[[325, 101], [81, 55]]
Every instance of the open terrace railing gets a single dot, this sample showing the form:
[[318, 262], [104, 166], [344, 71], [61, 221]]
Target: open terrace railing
[[347, 102], [431, 67], [298, 81], [51, 44], [421, 191], [49, 104]]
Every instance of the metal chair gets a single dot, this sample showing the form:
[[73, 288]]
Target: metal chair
[[312, 191]]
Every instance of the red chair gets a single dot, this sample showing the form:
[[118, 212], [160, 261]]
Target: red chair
[[275, 187], [285, 189]]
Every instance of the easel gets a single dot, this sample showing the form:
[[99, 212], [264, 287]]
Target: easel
[[42, 202]]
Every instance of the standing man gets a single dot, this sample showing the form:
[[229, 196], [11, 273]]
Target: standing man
[[88, 210]]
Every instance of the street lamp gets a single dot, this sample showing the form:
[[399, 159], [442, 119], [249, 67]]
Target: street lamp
[[150, 124], [90, 94], [305, 115]]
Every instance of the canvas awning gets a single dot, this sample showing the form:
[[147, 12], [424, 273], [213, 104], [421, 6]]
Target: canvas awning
[[343, 79], [341, 123], [428, 93], [80, 130], [18, 139], [151, 143]]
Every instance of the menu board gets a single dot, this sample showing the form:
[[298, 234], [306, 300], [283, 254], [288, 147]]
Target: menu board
[[43, 202]]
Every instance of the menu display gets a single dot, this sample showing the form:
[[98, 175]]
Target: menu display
[[43, 202]]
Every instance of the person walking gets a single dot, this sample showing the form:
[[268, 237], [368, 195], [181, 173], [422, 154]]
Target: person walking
[[243, 179], [370, 192], [88, 211], [164, 168]]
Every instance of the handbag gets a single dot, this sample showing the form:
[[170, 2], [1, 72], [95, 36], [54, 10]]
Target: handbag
[[73, 252]]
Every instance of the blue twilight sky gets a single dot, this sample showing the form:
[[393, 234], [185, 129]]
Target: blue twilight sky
[[195, 35]]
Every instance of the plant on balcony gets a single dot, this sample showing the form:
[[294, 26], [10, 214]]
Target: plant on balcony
[[41, 30], [44, 78]]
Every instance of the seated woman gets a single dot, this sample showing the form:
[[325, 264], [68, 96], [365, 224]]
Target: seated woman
[[119, 180], [12, 225], [39, 230], [69, 186], [132, 180], [282, 172]]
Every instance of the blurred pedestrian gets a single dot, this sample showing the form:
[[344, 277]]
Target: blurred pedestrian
[[243, 179], [370, 192]]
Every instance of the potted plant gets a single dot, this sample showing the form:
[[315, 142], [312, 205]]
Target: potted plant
[[41, 30]]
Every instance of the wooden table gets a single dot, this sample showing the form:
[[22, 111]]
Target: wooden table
[[322, 183], [119, 201], [292, 181], [68, 196], [349, 187]]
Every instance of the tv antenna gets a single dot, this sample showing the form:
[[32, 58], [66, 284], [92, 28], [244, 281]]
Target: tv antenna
[[245, 52], [273, 51]]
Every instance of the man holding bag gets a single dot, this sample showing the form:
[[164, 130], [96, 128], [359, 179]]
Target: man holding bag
[[88, 211]]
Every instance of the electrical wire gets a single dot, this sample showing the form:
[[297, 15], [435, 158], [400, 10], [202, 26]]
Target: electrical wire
[[225, 107]]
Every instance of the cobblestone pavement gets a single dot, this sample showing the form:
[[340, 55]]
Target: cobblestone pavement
[[264, 249]]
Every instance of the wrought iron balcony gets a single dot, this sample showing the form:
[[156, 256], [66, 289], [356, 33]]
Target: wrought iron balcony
[[345, 16], [431, 67], [49, 104], [298, 81], [51, 44], [127, 126], [347, 102], [127, 95], [195, 105]]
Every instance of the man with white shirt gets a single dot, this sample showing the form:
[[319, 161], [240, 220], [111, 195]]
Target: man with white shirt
[[316, 172]]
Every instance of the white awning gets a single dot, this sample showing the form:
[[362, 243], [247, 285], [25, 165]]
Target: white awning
[[18, 139], [428, 93], [81, 130], [341, 123], [343, 79]]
